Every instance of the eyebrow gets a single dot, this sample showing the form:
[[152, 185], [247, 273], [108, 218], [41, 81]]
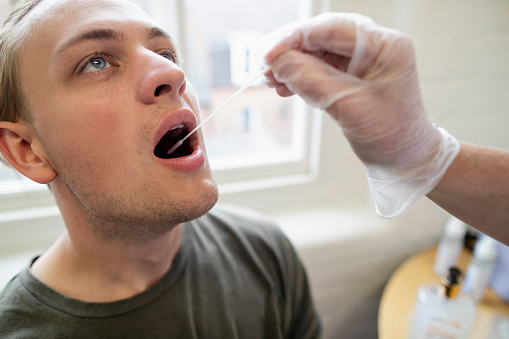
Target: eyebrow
[[156, 32], [100, 34], [108, 34]]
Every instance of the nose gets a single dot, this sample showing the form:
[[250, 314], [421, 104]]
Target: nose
[[162, 80]]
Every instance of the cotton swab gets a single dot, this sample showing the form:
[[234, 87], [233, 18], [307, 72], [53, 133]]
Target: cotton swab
[[220, 107]]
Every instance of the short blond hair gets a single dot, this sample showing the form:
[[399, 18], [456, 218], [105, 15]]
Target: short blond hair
[[14, 105]]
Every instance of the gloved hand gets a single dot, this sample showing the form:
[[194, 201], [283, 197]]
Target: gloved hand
[[365, 77]]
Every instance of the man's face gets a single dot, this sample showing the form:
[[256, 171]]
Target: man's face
[[104, 89]]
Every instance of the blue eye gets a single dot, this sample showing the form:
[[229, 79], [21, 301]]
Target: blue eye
[[169, 55], [95, 64]]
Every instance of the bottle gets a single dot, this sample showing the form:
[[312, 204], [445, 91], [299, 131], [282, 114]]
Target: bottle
[[441, 312], [480, 268], [450, 246], [500, 279]]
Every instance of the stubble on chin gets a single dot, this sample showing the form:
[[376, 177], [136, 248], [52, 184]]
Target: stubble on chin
[[133, 224]]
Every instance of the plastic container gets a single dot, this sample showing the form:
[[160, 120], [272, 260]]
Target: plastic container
[[481, 267], [500, 279], [450, 246]]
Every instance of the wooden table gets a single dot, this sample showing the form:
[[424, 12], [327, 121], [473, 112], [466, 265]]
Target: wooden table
[[399, 296]]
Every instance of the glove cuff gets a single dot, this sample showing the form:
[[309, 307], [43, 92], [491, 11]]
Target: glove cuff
[[395, 190]]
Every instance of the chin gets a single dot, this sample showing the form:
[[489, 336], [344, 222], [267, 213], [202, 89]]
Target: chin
[[208, 199], [194, 204], [135, 224]]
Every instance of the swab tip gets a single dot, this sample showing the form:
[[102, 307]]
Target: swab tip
[[177, 145]]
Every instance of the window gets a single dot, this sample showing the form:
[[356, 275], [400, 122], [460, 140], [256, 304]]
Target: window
[[259, 133]]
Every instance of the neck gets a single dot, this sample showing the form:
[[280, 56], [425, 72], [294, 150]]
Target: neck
[[100, 261], [85, 267]]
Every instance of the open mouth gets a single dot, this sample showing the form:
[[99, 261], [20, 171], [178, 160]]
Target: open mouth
[[174, 135]]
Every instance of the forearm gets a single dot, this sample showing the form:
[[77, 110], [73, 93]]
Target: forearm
[[475, 189]]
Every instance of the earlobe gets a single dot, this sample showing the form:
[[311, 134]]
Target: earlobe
[[16, 145]]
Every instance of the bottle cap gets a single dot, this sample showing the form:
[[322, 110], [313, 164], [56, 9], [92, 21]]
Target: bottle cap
[[486, 249], [451, 283], [455, 229]]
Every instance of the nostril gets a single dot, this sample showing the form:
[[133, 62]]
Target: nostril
[[162, 89]]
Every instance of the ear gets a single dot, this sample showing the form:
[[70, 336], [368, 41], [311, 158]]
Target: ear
[[16, 145]]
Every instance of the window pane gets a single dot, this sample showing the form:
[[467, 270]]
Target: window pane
[[7, 173], [258, 126]]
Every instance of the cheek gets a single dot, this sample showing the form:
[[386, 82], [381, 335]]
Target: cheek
[[94, 116], [94, 154], [91, 132], [88, 133]]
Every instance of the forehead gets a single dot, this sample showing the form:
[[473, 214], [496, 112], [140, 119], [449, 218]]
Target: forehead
[[54, 20]]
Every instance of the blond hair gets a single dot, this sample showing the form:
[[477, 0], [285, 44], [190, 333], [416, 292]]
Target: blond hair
[[14, 105]]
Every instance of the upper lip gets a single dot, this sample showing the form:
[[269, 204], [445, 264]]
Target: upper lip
[[180, 116]]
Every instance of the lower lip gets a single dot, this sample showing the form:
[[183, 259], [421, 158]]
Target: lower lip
[[186, 164]]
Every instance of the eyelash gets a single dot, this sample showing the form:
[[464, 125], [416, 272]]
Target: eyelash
[[171, 53], [108, 58]]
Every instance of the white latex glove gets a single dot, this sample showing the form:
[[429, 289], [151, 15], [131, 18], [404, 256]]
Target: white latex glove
[[365, 77]]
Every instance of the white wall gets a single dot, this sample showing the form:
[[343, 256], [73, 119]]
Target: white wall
[[462, 52]]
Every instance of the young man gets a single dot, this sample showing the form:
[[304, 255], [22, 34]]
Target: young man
[[91, 98]]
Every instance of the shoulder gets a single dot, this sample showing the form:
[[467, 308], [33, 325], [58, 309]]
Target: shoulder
[[15, 314], [11, 296]]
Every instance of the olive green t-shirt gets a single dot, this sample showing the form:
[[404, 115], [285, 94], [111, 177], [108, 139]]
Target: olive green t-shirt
[[235, 276]]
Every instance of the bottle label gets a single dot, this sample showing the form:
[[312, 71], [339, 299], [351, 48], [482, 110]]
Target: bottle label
[[443, 319], [441, 328]]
